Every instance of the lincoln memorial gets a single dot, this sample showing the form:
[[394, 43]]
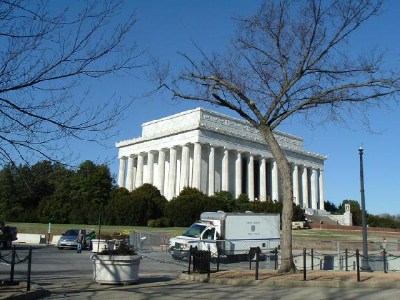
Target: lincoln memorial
[[213, 152]]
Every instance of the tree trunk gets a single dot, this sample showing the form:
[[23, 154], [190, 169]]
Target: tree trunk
[[287, 264]]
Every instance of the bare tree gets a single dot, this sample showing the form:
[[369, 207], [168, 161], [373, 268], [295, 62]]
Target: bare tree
[[45, 53], [290, 58]]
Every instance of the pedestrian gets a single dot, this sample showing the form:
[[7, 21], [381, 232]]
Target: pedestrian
[[91, 236], [79, 241], [383, 246]]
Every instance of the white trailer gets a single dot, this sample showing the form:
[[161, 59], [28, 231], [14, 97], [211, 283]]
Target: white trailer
[[230, 234]]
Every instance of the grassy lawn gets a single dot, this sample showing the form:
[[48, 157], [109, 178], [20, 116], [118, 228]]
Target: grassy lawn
[[344, 235], [309, 234], [61, 228]]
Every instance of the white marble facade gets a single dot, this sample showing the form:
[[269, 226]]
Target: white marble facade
[[214, 152]]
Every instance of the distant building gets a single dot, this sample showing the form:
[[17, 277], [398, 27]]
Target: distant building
[[214, 152]]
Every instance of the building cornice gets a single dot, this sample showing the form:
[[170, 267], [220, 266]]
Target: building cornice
[[203, 119]]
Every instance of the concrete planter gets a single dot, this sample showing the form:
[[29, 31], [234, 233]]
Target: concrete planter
[[100, 245], [115, 269]]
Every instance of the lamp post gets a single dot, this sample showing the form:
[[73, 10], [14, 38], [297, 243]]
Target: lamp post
[[364, 261]]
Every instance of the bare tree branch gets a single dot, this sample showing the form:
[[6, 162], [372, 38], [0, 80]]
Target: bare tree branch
[[44, 56]]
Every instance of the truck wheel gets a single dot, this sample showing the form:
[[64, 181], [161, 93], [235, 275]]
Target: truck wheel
[[176, 257], [6, 244]]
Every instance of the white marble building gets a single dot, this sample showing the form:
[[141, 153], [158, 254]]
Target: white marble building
[[214, 152]]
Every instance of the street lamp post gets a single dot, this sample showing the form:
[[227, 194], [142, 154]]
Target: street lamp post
[[364, 261]]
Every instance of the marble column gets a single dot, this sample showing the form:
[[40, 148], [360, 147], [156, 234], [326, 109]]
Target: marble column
[[161, 171], [172, 173], [139, 171], [150, 167], [225, 170], [321, 190], [263, 180], [185, 167], [129, 173], [314, 195], [197, 166], [295, 180], [121, 172], [250, 177], [304, 182], [211, 171], [275, 183], [238, 174]]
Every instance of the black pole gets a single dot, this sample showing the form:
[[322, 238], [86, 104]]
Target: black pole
[[304, 265], [276, 258], [28, 284], [358, 265], [257, 261], [384, 261], [364, 260], [98, 235], [208, 255], [12, 266], [190, 258], [250, 258], [218, 257], [346, 259], [312, 258]]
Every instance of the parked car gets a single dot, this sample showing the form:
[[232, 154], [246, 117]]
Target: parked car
[[68, 240], [8, 234]]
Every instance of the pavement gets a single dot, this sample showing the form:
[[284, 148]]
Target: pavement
[[152, 286], [160, 280]]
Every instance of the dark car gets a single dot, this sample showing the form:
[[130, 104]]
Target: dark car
[[8, 234], [68, 240]]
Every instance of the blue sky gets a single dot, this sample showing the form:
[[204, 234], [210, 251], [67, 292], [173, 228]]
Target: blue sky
[[165, 27]]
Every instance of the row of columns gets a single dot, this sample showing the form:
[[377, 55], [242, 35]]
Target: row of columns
[[194, 170]]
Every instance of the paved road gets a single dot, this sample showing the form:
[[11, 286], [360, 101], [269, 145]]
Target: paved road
[[67, 274]]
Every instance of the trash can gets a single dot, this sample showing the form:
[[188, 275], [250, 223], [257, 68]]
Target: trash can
[[42, 239], [201, 261], [328, 262]]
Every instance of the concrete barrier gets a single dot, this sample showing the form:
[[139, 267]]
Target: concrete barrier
[[31, 238], [54, 239], [36, 238]]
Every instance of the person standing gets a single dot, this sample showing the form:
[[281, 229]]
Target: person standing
[[91, 236], [80, 240], [383, 246]]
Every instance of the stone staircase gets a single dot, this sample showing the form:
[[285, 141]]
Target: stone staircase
[[316, 219]]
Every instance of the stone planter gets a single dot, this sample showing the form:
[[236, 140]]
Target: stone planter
[[100, 245], [115, 269]]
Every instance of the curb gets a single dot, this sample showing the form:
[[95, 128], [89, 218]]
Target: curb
[[289, 283]]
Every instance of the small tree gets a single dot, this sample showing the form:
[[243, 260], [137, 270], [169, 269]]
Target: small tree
[[186, 208], [149, 198], [290, 58]]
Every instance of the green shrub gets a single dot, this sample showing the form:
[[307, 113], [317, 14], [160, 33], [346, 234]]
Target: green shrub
[[154, 223]]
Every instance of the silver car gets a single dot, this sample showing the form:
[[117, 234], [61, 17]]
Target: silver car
[[68, 240]]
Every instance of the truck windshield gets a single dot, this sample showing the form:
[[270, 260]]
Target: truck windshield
[[194, 231]]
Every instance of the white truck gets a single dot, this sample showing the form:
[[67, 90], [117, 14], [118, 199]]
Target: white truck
[[232, 233]]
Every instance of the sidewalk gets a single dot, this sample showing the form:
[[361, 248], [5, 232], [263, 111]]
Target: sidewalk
[[327, 279], [81, 288], [19, 291]]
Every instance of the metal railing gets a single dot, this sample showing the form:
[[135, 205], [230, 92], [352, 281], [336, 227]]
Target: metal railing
[[12, 258], [327, 255]]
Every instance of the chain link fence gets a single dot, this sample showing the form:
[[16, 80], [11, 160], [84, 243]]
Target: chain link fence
[[321, 255]]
